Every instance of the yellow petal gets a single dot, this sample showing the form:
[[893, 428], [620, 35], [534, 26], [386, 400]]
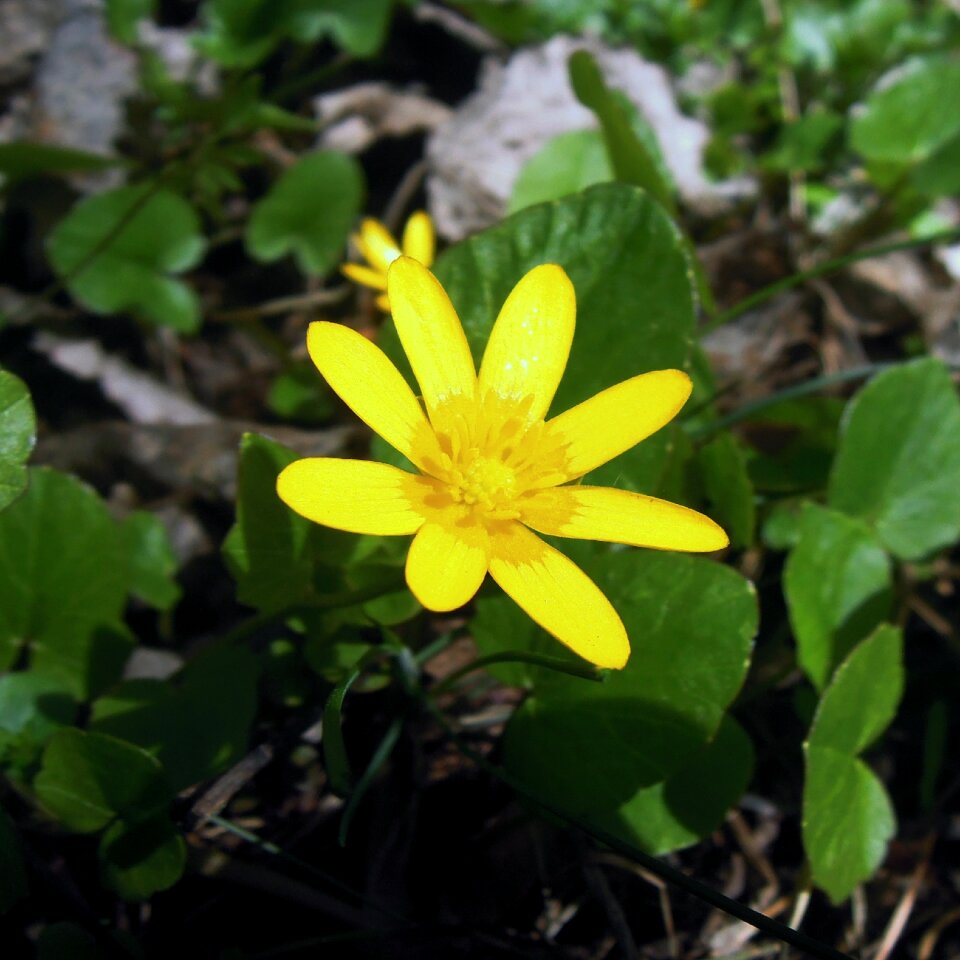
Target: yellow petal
[[430, 332], [364, 275], [559, 596], [377, 244], [419, 240], [360, 373], [383, 303], [530, 342], [618, 418], [445, 567], [356, 495], [619, 516]]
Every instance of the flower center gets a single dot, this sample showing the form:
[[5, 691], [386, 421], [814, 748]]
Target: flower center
[[491, 454]]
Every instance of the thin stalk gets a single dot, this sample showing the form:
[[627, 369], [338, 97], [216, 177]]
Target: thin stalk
[[828, 266], [584, 671]]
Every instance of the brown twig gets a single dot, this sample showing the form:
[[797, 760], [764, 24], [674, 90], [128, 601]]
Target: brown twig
[[901, 914]]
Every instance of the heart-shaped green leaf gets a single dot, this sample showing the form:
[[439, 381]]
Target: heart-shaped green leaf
[[838, 585], [592, 746], [18, 430], [308, 212], [195, 724], [863, 695], [567, 164], [898, 460], [847, 821], [88, 779], [63, 584], [138, 860], [119, 251], [906, 121], [692, 802]]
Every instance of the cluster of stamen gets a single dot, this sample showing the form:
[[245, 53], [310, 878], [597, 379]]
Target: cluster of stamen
[[490, 454]]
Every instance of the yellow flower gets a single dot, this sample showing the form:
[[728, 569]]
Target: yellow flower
[[492, 469], [377, 246]]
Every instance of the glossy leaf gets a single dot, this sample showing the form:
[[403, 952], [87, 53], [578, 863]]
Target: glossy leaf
[[62, 584], [592, 746], [863, 695], [899, 459], [847, 821], [691, 803], [838, 585], [119, 251], [634, 299], [308, 212], [18, 431], [88, 780]]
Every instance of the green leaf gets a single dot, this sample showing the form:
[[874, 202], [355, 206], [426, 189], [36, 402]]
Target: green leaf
[[123, 15], [151, 563], [634, 299], [905, 122], [728, 488], [18, 433], [939, 174], [308, 212], [632, 160], [863, 695], [690, 804], [357, 26], [299, 394], [838, 587], [592, 746], [847, 821], [240, 33], [138, 860], [270, 549], [62, 584], [194, 724], [118, 251], [88, 780], [21, 160], [32, 708], [567, 164], [13, 877], [899, 459], [804, 143]]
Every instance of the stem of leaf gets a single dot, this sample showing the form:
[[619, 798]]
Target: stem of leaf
[[583, 671], [829, 266]]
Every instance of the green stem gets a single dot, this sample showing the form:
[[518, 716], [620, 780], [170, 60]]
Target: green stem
[[706, 430], [657, 867], [584, 671], [829, 266]]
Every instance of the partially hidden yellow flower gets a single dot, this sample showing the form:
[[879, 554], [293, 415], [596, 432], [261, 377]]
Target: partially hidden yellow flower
[[376, 244], [492, 469]]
